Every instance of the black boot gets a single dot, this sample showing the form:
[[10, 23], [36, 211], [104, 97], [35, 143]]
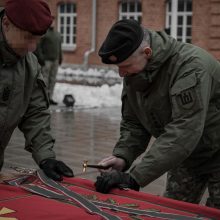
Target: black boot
[[52, 102]]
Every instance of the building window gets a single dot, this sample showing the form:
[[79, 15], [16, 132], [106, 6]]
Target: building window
[[179, 19], [67, 25], [130, 10]]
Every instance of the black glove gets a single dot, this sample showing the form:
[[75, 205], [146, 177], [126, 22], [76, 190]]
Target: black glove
[[55, 169], [107, 181]]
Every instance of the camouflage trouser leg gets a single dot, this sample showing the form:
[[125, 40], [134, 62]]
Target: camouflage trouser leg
[[183, 185], [50, 72], [214, 191], [52, 78], [186, 186]]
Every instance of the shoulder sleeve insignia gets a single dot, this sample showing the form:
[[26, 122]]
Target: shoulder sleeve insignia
[[186, 99], [186, 96]]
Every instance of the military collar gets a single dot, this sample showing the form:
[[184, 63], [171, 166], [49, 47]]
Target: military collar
[[163, 47], [138, 82], [7, 56]]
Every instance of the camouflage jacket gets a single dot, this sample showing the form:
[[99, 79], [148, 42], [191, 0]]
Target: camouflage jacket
[[176, 99], [23, 103], [49, 47]]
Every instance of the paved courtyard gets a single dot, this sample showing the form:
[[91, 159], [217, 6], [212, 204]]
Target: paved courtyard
[[82, 134]]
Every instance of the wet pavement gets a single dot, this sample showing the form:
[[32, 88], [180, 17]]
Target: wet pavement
[[81, 134]]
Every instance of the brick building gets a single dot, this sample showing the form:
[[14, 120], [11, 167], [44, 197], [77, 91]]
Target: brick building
[[195, 21]]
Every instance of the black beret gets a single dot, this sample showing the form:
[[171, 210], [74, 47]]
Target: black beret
[[124, 37], [33, 16]]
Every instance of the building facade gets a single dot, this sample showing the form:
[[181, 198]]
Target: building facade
[[85, 23]]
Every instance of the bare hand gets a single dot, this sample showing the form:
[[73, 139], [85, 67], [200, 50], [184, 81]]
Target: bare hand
[[115, 163]]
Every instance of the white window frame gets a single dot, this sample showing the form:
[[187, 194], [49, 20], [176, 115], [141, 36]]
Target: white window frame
[[72, 16], [172, 21], [128, 15]]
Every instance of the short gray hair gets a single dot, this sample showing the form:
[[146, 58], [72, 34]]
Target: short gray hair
[[146, 38], [145, 43]]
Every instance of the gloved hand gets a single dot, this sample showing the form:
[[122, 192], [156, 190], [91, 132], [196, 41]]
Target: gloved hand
[[56, 169], [114, 179], [115, 163]]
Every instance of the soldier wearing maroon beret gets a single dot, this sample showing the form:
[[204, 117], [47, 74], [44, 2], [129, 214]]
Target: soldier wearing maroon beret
[[23, 98]]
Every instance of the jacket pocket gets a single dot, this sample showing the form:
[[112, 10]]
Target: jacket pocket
[[186, 96]]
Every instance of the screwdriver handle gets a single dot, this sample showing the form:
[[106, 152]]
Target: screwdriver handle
[[98, 166]]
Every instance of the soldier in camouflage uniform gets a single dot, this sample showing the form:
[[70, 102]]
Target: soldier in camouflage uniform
[[171, 90], [23, 98], [49, 54]]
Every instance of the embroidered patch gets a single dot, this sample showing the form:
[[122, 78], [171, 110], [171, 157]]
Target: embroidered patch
[[187, 98], [4, 211]]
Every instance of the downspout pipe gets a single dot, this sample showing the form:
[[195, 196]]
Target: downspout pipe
[[93, 39]]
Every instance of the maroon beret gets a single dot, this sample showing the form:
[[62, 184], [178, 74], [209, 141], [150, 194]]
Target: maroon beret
[[33, 16]]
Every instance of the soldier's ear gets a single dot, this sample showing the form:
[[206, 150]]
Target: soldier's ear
[[148, 52], [6, 23]]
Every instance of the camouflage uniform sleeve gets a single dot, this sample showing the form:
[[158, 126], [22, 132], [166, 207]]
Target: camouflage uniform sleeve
[[134, 138], [189, 99], [36, 124]]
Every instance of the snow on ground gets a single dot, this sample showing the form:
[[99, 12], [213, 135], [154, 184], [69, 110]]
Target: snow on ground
[[89, 96], [62, 72]]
